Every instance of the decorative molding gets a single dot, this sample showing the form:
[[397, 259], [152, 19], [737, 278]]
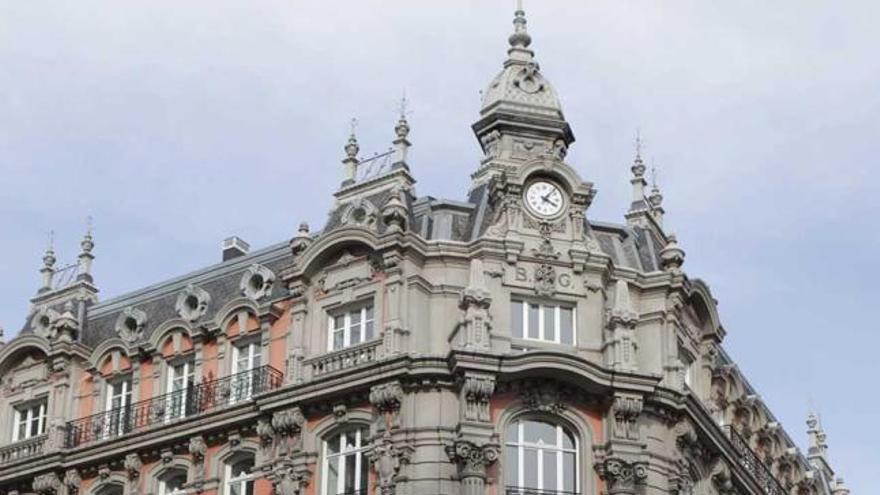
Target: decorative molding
[[386, 398], [360, 213], [72, 480], [545, 397]]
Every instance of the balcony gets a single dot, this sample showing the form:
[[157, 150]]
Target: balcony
[[23, 449], [172, 407], [343, 359], [518, 490], [750, 461]]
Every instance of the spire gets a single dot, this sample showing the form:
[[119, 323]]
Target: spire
[[401, 144], [85, 255], [656, 199], [350, 161], [48, 269]]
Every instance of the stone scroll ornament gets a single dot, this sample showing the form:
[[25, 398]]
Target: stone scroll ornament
[[472, 459], [387, 459]]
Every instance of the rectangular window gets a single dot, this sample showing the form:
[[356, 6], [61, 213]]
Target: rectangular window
[[350, 328], [181, 380], [246, 361], [30, 421], [543, 322], [118, 408]]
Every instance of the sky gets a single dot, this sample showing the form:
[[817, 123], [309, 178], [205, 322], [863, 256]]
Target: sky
[[177, 124]]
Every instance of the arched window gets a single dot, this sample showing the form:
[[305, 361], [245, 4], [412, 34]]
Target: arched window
[[171, 482], [110, 490], [345, 466], [540, 457], [239, 476]]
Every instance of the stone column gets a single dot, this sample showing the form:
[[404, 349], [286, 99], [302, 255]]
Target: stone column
[[473, 460]]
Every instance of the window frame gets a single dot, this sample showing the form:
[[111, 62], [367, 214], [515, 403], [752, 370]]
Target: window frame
[[243, 380], [360, 450], [242, 480], [120, 418], [543, 305], [163, 481], [23, 415], [362, 308], [520, 445]]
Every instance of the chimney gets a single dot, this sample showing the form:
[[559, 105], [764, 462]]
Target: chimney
[[234, 247]]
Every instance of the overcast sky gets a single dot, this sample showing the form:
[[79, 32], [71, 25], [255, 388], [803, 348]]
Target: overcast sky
[[176, 124]]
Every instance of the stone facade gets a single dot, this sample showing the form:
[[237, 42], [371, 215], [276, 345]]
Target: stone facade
[[505, 344]]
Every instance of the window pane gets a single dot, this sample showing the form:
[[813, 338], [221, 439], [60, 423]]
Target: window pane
[[333, 445], [369, 312], [550, 323], [567, 439], [365, 467], [534, 315], [355, 317], [22, 430], [258, 358], [355, 334], [512, 433], [516, 319], [549, 462], [511, 466], [530, 468], [349, 473], [566, 326], [539, 432], [569, 474], [339, 322], [338, 339], [332, 475], [249, 487]]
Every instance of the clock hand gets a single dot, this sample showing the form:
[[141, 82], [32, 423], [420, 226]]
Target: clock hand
[[544, 198]]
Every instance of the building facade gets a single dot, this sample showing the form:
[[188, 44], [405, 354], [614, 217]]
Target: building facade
[[506, 343]]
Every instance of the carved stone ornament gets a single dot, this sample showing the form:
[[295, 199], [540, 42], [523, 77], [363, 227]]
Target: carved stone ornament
[[721, 478], [386, 459], [360, 212], [386, 397], [620, 476], [256, 282], [287, 426], [472, 459], [626, 409], [133, 466], [42, 323], [130, 324], [546, 398], [545, 280], [192, 303], [529, 79], [288, 478], [476, 392], [46, 484], [197, 448], [72, 480]]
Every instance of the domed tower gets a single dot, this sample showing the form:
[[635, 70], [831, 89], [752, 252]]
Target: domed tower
[[521, 116]]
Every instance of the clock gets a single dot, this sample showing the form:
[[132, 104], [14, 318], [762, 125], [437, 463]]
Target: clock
[[544, 198]]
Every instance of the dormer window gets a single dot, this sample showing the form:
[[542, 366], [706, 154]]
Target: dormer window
[[350, 327], [544, 322], [30, 421]]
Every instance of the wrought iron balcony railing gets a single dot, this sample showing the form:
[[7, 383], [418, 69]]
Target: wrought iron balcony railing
[[519, 490], [749, 460], [172, 407]]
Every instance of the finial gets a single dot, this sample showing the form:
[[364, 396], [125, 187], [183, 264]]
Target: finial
[[638, 166], [401, 130], [303, 228], [1, 335], [85, 256], [655, 198], [87, 243], [520, 37], [402, 127], [49, 256], [351, 150], [818, 445]]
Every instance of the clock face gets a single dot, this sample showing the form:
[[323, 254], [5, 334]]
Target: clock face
[[544, 198]]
